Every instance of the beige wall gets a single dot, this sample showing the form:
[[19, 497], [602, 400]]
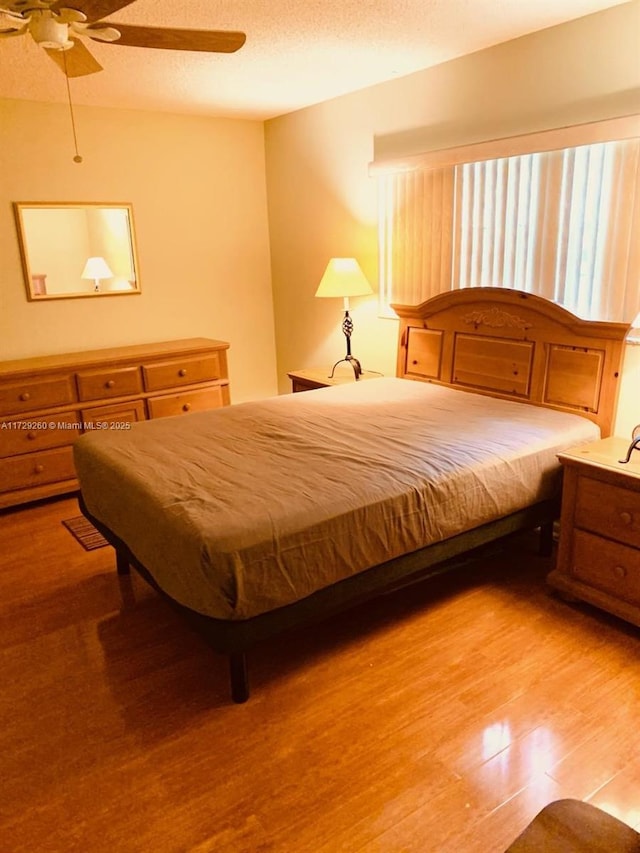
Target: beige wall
[[200, 201], [198, 191], [322, 202]]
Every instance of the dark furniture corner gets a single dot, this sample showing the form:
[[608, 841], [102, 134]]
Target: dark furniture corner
[[571, 826]]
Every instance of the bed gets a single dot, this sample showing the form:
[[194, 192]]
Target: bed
[[266, 515]]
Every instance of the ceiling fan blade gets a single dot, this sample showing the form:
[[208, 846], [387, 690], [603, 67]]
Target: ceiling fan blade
[[97, 32], [9, 14], [209, 41], [11, 31], [75, 62], [95, 10]]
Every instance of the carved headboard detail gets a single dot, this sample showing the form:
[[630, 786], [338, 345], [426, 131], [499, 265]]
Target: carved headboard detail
[[496, 318], [506, 343]]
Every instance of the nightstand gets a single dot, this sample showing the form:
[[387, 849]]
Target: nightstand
[[307, 380], [599, 551]]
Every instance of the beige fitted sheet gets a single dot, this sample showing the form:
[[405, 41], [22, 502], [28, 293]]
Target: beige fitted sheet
[[244, 509]]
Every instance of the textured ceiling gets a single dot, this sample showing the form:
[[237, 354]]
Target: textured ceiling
[[297, 53]]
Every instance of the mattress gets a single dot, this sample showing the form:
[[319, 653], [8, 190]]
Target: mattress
[[244, 509]]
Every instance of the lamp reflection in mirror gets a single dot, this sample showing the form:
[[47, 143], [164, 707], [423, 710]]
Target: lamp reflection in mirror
[[96, 269], [343, 277]]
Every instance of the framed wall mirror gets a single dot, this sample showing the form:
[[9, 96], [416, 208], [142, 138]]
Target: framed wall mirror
[[76, 249]]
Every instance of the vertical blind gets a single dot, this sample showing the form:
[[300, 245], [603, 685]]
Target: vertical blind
[[564, 224], [416, 222]]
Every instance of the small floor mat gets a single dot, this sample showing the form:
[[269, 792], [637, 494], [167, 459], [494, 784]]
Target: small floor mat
[[85, 533]]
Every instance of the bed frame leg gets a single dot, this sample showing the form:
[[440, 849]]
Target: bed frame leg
[[546, 539], [239, 677], [122, 562]]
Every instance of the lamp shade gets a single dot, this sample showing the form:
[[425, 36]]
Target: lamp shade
[[343, 277], [96, 268]]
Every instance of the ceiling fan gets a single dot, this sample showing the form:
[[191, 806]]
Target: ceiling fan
[[60, 25]]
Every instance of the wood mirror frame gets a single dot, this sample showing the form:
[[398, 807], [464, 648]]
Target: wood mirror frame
[[57, 240]]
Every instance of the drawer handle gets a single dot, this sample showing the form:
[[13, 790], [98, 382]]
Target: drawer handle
[[186, 407], [25, 396], [626, 517], [182, 371], [110, 383], [620, 572], [38, 469]]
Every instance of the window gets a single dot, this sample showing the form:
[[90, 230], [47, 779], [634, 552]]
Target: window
[[563, 223]]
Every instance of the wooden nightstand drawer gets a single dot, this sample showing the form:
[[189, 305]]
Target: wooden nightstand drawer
[[189, 401], [30, 434], [609, 510], [310, 380], [599, 549], [35, 469], [28, 396], [608, 566], [101, 384], [184, 371], [298, 385]]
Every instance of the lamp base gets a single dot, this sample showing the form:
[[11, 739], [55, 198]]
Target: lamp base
[[353, 361]]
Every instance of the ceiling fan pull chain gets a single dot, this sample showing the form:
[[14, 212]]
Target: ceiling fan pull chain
[[77, 158]]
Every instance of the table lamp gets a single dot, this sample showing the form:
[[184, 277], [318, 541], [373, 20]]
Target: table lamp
[[343, 277], [96, 269]]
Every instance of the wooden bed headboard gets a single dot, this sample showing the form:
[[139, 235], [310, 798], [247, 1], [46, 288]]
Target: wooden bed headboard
[[515, 345]]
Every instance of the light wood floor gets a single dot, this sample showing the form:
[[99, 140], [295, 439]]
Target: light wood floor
[[441, 718]]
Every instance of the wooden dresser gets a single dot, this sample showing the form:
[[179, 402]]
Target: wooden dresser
[[599, 551], [45, 403]]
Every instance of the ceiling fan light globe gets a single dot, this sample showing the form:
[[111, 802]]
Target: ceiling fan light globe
[[47, 32]]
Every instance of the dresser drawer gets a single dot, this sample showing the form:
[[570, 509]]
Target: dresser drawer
[[184, 371], [189, 401], [30, 434], [606, 565], [35, 469], [609, 510], [117, 415], [31, 395], [102, 384]]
